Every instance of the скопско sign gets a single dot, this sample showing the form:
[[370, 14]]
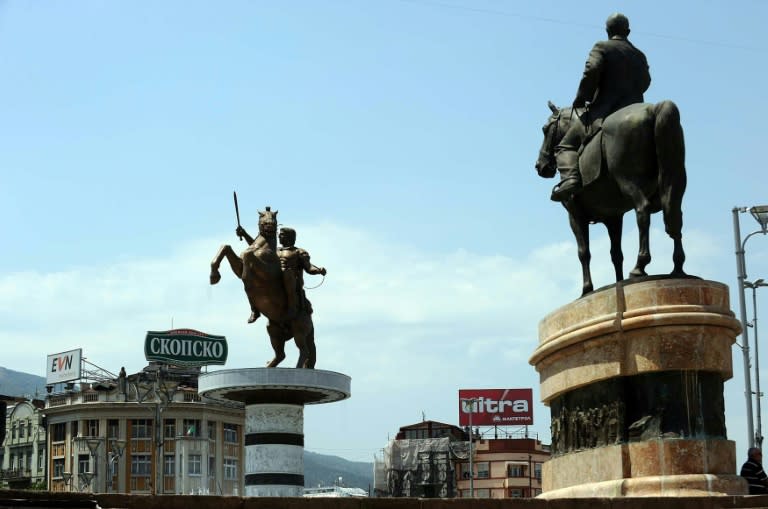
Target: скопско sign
[[185, 347]]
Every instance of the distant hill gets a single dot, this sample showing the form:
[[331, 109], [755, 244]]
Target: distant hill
[[324, 470], [16, 383], [319, 469]]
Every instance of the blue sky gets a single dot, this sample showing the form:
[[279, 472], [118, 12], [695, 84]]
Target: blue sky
[[398, 137]]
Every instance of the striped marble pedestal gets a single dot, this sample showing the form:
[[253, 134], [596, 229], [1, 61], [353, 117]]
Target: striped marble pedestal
[[274, 400]]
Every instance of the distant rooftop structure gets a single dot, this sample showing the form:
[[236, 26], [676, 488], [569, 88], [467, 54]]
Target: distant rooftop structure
[[335, 492]]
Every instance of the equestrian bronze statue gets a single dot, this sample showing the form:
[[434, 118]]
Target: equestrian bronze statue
[[636, 162], [269, 276], [616, 153]]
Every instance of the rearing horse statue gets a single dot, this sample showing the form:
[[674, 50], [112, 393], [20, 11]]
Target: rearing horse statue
[[259, 269], [637, 161]]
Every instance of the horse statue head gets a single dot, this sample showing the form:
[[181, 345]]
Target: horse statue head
[[554, 129], [268, 223]]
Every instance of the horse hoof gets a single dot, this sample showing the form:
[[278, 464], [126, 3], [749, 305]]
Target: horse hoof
[[215, 277], [637, 273]]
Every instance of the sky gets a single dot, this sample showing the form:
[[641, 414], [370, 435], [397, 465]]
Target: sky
[[398, 137]]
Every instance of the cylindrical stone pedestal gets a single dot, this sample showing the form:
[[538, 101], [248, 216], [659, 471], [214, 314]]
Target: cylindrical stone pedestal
[[274, 400], [633, 375]]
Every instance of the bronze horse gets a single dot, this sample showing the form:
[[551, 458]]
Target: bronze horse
[[637, 161], [259, 269]]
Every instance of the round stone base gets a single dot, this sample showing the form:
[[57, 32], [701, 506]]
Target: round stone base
[[274, 400], [274, 385], [690, 485]]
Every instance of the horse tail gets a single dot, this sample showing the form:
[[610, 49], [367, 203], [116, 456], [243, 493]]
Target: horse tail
[[670, 158]]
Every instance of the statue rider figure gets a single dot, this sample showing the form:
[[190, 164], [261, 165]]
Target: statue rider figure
[[294, 261], [615, 75]]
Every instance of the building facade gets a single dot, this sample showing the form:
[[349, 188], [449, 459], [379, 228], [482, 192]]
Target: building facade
[[23, 452], [504, 468], [147, 433], [432, 460]]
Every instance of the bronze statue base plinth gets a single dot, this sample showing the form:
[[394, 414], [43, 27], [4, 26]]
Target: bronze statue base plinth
[[633, 375], [274, 400]]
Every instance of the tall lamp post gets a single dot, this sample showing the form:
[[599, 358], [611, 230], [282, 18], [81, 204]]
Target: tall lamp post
[[471, 402], [118, 448], [760, 213], [754, 285], [93, 444]]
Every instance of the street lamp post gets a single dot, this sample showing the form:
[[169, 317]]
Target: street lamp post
[[93, 447], [760, 213], [67, 476], [472, 402], [118, 448], [754, 285]]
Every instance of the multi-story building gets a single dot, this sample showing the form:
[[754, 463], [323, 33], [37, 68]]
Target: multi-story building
[[504, 468], [420, 461], [432, 459], [22, 456], [149, 432]]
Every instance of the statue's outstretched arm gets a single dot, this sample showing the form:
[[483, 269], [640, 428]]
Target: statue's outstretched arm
[[307, 265], [240, 232]]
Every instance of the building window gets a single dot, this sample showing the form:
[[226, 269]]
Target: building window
[[516, 493], [59, 432], [195, 464], [515, 470], [58, 467], [230, 469], [192, 428], [212, 430], [230, 433], [22, 430], [13, 431], [537, 471], [141, 428], [113, 428], [482, 469], [416, 433], [482, 493], [83, 463], [141, 465], [40, 459], [93, 427], [211, 466], [169, 428], [169, 465]]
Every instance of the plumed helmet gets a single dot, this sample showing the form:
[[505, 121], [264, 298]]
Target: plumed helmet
[[617, 24]]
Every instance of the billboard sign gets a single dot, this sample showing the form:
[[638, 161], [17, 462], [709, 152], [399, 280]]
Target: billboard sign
[[495, 407], [63, 367], [185, 347]]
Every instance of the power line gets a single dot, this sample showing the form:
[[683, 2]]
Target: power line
[[556, 21]]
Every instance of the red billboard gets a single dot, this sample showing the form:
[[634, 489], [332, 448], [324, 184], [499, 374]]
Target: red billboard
[[495, 407]]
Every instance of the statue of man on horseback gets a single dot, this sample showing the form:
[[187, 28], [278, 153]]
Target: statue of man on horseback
[[273, 283], [615, 75], [633, 158]]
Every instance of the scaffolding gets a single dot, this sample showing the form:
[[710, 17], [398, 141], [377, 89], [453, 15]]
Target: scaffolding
[[422, 468]]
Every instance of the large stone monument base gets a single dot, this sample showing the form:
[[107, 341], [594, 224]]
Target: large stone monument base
[[274, 400], [633, 375]]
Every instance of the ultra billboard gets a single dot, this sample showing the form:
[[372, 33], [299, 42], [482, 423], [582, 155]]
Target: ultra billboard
[[495, 407], [63, 367]]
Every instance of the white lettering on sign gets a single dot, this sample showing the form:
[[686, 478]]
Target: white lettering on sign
[[186, 347], [492, 406]]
